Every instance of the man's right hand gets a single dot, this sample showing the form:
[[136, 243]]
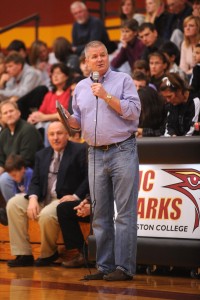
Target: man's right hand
[[83, 209], [33, 209]]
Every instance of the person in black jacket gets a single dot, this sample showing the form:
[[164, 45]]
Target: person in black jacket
[[52, 183], [182, 106], [195, 78]]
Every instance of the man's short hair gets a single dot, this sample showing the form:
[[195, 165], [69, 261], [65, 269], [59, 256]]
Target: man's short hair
[[140, 76], [78, 4], [93, 44], [15, 57], [16, 45], [14, 104], [148, 25]]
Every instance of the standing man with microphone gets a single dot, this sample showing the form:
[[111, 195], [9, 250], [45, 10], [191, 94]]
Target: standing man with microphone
[[107, 108]]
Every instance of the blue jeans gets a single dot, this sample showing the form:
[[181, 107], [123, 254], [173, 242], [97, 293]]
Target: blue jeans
[[115, 178]]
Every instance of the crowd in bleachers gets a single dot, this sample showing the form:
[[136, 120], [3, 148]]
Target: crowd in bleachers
[[165, 37], [160, 49]]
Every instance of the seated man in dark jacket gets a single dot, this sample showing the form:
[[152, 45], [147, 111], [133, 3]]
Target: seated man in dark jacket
[[60, 174], [18, 137]]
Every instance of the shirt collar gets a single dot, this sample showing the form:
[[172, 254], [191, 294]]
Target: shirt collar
[[102, 78]]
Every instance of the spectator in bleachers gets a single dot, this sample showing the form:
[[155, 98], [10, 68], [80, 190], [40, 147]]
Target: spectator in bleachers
[[140, 79], [83, 66], [61, 81], [74, 82], [182, 106], [156, 14], [141, 65], [128, 11], [20, 47], [179, 10], [16, 168], [131, 47], [62, 50], [152, 117], [172, 53], [19, 79], [41, 59], [87, 28], [2, 70], [195, 78], [18, 137], [149, 37], [196, 8], [158, 65], [191, 26], [60, 174]]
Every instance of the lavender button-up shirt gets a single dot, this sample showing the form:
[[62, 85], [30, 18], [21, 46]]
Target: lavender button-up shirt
[[111, 127]]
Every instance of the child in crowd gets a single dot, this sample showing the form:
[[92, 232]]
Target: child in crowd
[[140, 79], [15, 167]]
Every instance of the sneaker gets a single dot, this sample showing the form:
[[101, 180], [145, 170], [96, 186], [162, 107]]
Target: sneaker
[[3, 216], [21, 261], [76, 262], [47, 261], [117, 275], [96, 276]]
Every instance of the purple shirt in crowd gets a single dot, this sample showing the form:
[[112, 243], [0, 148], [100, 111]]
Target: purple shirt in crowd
[[111, 127]]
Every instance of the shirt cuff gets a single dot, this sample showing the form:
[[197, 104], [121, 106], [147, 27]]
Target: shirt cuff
[[76, 197]]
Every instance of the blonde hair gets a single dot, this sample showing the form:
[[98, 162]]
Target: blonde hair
[[159, 8], [197, 23]]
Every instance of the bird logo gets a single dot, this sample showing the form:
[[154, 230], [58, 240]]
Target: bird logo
[[189, 182]]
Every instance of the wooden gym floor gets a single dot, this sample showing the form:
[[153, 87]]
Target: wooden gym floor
[[55, 283]]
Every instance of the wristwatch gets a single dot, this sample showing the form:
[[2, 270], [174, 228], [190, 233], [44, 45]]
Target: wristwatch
[[108, 98]]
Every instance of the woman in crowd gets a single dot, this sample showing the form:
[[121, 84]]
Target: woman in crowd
[[41, 59], [156, 14], [152, 115], [158, 65], [191, 26], [61, 81], [62, 50], [182, 107], [128, 11]]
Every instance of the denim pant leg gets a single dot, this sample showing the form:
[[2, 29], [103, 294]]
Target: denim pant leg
[[7, 186], [116, 178], [103, 223], [124, 168]]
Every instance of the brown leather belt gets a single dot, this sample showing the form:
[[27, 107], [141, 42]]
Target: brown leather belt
[[107, 147]]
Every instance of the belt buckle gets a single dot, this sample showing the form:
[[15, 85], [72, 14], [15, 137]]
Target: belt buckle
[[105, 147]]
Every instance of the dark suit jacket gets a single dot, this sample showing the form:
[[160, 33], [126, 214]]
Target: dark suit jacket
[[72, 174]]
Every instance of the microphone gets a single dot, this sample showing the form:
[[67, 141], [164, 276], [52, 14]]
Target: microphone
[[95, 76]]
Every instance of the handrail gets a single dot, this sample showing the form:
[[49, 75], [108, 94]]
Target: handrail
[[35, 17]]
